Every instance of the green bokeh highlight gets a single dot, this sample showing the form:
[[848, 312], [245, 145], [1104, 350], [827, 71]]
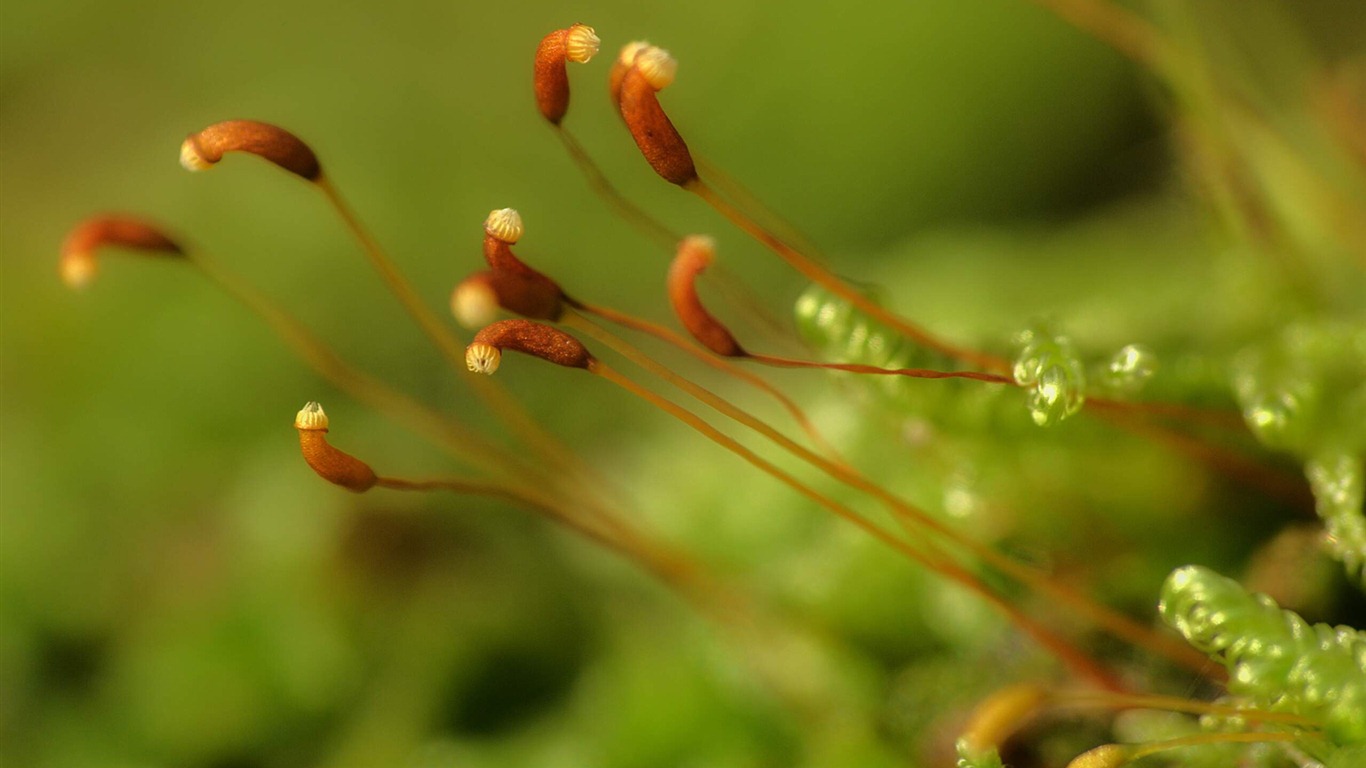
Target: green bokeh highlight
[[176, 588]]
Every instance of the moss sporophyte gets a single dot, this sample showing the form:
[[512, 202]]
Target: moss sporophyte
[[1281, 688]]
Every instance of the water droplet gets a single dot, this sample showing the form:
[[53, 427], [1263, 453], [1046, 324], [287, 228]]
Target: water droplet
[[1304, 389], [1273, 416], [1130, 369], [1058, 393], [1278, 396], [1049, 366], [1029, 364]]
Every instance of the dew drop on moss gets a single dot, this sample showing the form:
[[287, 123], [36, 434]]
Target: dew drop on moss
[[1129, 369], [1304, 390], [1276, 414], [1049, 367]]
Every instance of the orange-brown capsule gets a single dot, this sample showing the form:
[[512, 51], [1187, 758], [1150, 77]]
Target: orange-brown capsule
[[531, 295], [332, 465], [655, 135], [530, 338], [550, 79], [78, 264], [519, 288], [695, 254], [202, 150], [476, 299]]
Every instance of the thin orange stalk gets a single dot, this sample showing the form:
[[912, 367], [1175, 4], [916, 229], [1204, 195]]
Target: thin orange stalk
[[1074, 658], [598, 181], [344, 470], [440, 334], [694, 257], [1100, 699], [1291, 490], [1226, 419], [206, 148], [1200, 739], [818, 274], [721, 364], [766, 217], [638, 75], [528, 337], [669, 566], [1116, 623], [915, 373], [442, 429], [464, 444], [1118, 755]]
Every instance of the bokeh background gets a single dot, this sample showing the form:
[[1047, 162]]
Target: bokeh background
[[177, 589]]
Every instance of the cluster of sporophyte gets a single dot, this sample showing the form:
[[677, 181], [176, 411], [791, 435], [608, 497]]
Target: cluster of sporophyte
[[1293, 691]]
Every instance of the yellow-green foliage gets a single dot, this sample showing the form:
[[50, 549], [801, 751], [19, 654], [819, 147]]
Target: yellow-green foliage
[[1275, 659]]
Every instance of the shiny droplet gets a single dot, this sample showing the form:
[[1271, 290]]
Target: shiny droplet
[[1304, 390], [1029, 363], [1273, 416], [1058, 393], [1279, 397], [1130, 369], [1050, 368]]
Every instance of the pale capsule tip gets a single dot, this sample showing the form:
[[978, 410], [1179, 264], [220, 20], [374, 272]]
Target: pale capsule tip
[[703, 246], [311, 416], [474, 302], [482, 358], [581, 44], [504, 224], [629, 51], [657, 65], [78, 269], [190, 159]]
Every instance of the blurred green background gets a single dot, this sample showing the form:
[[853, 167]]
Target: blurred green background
[[176, 588]]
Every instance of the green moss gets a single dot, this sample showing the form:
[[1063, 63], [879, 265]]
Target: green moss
[[1275, 659]]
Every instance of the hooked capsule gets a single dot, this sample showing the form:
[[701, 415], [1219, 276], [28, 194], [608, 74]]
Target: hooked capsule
[[78, 264], [550, 80], [201, 151], [484, 354], [664, 149], [334, 466]]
